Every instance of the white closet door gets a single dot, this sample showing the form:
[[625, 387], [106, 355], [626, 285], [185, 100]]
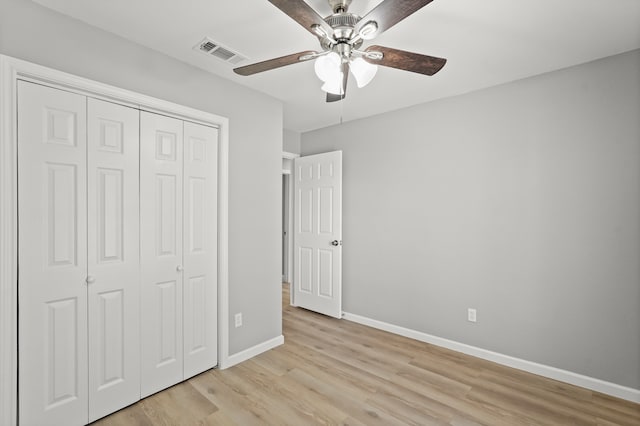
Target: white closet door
[[52, 257], [200, 248], [161, 250], [113, 257]]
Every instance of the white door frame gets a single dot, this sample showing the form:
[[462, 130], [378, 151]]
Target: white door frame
[[11, 70], [286, 201], [287, 174]]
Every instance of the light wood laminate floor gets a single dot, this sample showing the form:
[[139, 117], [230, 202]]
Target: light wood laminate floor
[[335, 372]]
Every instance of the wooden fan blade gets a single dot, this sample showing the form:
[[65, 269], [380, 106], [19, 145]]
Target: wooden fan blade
[[390, 12], [303, 14], [408, 61], [273, 63], [345, 76]]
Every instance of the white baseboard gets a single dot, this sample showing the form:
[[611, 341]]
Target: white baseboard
[[587, 382], [251, 352]]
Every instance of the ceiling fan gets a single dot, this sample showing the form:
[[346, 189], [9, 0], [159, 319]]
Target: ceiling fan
[[341, 37]]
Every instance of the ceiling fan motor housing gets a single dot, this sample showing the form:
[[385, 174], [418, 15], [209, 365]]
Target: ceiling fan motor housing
[[342, 22], [343, 29]]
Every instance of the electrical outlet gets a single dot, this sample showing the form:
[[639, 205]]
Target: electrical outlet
[[238, 318], [471, 315]]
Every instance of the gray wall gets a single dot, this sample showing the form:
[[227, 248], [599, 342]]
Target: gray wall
[[291, 141], [522, 201], [31, 32]]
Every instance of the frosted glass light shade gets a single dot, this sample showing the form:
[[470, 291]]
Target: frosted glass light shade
[[329, 69], [327, 66], [334, 85], [363, 71]]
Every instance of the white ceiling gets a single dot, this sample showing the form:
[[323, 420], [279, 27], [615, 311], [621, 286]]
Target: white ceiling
[[486, 43]]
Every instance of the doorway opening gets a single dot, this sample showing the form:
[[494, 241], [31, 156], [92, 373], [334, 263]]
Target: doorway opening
[[286, 232], [287, 216]]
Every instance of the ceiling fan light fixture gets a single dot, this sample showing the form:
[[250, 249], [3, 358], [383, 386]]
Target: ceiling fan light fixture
[[363, 71], [341, 36], [327, 66]]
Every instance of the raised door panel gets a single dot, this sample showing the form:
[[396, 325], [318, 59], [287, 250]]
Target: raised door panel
[[52, 261], [114, 257], [317, 282], [161, 307], [200, 248]]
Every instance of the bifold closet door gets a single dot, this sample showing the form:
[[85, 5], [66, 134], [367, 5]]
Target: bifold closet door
[[114, 257], [200, 248], [78, 258], [52, 256], [179, 250], [161, 149]]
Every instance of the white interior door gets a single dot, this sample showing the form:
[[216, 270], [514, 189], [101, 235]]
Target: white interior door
[[113, 257], [52, 257], [317, 280], [161, 150], [200, 248]]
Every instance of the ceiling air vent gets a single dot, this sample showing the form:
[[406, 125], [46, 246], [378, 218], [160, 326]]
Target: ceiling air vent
[[213, 48]]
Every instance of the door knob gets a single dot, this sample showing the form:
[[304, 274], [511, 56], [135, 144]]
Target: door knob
[[91, 279], [335, 243], [179, 268]]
